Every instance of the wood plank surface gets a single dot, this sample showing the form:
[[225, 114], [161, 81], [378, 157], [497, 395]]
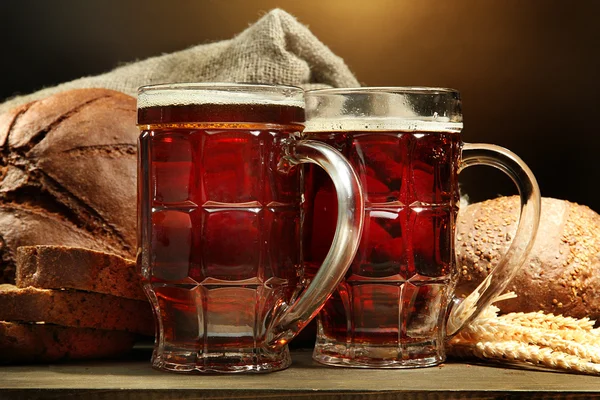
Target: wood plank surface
[[132, 379]]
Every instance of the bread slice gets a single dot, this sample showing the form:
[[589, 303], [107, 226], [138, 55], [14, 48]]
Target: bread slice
[[31, 342], [59, 267], [75, 308], [26, 225]]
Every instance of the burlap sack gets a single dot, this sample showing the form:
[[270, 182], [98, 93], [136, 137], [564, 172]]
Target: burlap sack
[[276, 49], [68, 159]]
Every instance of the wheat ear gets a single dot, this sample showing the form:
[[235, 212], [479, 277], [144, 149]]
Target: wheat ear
[[580, 344], [536, 355], [546, 340], [550, 321]]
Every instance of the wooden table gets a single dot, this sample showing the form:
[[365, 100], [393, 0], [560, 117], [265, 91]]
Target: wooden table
[[134, 378]]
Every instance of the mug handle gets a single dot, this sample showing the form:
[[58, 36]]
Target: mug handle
[[350, 216], [500, 276]]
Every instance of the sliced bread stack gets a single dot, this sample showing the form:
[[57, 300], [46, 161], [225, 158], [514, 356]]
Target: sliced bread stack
[[71, 303]]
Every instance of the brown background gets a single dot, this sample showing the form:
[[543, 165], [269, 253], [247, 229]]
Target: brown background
[[528, 71]]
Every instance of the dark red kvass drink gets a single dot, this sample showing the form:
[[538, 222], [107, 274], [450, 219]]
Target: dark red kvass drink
[[221, 252], [395, 291]]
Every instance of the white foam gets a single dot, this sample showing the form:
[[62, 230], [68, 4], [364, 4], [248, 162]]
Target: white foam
[[440, 124], [178, 97]]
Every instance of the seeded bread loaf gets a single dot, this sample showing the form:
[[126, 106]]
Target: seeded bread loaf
[[562, 273], [75, 308], [31, 342], [69, 161], [59, 267]]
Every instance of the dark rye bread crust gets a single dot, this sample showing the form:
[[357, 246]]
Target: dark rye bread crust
[[58, 267], [75, 308], [29, 342], [71, 156], [22, 225], [561, 274]]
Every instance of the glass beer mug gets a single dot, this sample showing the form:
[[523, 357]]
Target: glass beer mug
[[219, 208], [394, 308]]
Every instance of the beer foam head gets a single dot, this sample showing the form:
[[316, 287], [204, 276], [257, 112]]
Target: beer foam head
[[405, 109], [219, 94], [420, 124]]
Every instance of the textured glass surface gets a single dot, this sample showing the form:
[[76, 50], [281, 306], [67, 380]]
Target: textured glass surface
[[396, 290], [224, 242]]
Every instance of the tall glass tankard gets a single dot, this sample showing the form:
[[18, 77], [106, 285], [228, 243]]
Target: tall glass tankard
[[219, 209], [394, 307]]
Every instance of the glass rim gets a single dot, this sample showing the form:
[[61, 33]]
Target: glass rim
[[385, 89], [223, 93], [383, 108], [225, 86]]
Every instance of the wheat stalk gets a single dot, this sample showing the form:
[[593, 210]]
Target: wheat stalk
[[535, 355], [544, 340], [576, 344], [550, 321]]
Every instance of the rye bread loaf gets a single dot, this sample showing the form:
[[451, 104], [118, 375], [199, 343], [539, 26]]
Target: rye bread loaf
[[60, 267], [70, 159], [561, 274], [31, 342], [75, 308]]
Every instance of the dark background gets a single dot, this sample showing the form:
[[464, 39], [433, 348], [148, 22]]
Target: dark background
[[528, 71]]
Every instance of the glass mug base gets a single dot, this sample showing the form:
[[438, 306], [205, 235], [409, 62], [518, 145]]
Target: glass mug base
[[416, 354], [189, 361]]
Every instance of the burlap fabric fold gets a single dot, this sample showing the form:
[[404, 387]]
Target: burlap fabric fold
[[276, 49]]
